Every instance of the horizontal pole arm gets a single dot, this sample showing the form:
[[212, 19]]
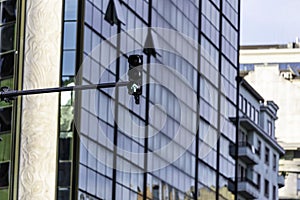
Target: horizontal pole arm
[[14, 93]]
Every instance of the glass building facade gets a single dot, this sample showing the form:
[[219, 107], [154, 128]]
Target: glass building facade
[[88, 167], [215, 26]]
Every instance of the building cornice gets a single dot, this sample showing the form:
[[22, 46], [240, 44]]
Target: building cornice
[[253, 56], [251, 90]]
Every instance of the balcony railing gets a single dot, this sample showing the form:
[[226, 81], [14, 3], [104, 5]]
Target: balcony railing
[[249, 180], [247, 188], [246, 152]]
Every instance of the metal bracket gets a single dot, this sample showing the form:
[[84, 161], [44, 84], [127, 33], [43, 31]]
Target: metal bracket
[[6, 90]]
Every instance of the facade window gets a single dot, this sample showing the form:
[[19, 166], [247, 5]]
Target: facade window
[[298, 183], [4, 174], [252, 113], [267, 152], [249, 110], [5, 119], [258, 182], [241, 102], [7, 65], [241, 172], [270, 132], [296, 154], [242, 137], [244, 105], [274, 162], [256, 117], [266, 188], [259, 148]]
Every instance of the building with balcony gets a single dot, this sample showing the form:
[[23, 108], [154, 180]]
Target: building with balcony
[[257, 149], [81, 145], [273, 71]]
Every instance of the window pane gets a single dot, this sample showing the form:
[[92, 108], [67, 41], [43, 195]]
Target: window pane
[[267, 155], [266, 188], [63, 194], [8, 83], [4, 194], [6, 65], [8, 11], [70, 35], [5, 119], [4, 172], [91, 182], [69, 63], [82, 177], [298, 183], [256, 117], [64, 174], [64, 148], [270, 128], [7, 37], [5, 147], [70, 10]]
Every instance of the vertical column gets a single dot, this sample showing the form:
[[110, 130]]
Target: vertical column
[[39, 124]]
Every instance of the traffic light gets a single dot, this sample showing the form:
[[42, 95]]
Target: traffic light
[[135, 74]]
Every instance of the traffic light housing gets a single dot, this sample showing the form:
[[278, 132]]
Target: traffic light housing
[[135, 74]]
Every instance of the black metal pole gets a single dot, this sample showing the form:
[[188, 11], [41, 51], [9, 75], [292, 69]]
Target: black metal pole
[[6, 93], [116, 113]]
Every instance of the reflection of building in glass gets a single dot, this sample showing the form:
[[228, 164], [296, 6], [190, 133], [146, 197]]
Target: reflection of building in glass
[[273, 71], [57, 138], [258, 150], [172, 193]]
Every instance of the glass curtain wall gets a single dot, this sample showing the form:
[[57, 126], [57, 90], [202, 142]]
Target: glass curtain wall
[[66, 153], [198, 173], [8, 10]]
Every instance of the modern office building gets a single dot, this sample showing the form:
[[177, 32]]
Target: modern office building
[[273, 71], [98, 144], [258, 151]]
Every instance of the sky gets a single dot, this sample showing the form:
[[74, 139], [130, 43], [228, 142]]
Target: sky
[[269, 21]]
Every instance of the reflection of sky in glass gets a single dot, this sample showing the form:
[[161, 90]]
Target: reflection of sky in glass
[[70, 35], [70, 10]]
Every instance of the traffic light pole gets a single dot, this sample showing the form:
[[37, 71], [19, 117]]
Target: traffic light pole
[[7, 95]]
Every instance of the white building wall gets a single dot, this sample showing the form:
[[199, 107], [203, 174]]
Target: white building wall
[[266, 170], [39, 126], [267, 81], [269, 56]]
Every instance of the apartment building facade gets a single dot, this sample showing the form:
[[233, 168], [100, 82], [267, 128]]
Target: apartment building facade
[[258, 150], [273, 71]]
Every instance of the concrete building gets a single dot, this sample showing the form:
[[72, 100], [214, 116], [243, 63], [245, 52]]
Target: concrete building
[[81, 145], [272, 70], [258, 150]]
